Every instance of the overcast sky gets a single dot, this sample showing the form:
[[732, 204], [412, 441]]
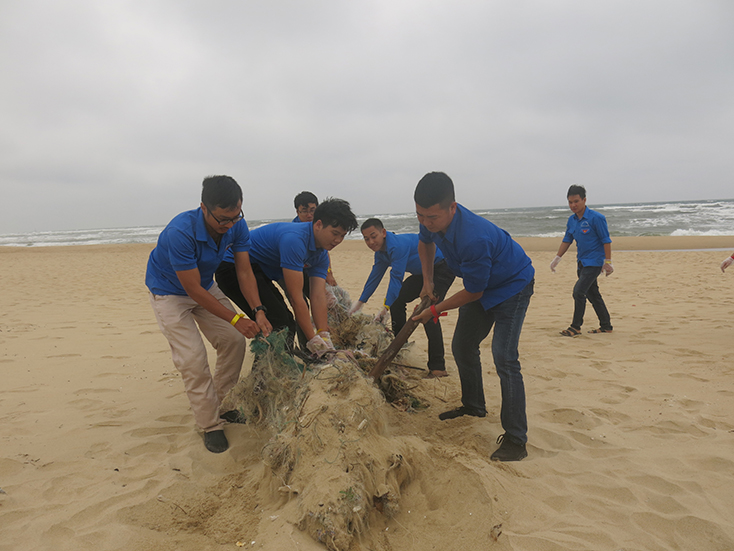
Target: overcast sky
[[111, 113]]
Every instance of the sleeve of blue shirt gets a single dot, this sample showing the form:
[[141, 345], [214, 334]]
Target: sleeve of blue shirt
[[398, 253], [241, 240], [602, 229], [423, 234], [476, 266], [293, 252], [378, 270], [181, 250], [320, 266]]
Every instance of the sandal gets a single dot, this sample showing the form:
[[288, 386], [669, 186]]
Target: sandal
[[436, 374], [600, 330], [570, 332]]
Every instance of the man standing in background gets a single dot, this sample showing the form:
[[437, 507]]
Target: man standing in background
[[594, 256]]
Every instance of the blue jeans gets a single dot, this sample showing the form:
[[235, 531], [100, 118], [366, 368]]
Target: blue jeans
[[411, 290], [587, 288], [472, 327]]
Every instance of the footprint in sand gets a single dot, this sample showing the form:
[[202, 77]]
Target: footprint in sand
[[573, 417]]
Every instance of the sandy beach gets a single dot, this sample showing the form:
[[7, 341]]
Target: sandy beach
[[631, 440]]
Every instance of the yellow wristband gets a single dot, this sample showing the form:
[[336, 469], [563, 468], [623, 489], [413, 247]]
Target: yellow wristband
[[236, 318], [608, 261]]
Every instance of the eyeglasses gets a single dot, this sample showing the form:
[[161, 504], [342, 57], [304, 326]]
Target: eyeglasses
[[303, 210], [225, 221]]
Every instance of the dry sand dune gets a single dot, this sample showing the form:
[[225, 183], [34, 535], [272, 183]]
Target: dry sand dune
[[631, 433]]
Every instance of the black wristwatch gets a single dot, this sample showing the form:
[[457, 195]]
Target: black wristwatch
[[258, 308]]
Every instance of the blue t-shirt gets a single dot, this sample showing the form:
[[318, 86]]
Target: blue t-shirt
[[484, 255], [286, 245], [185, 244], [401, 255], [296, 219], [591, 233]]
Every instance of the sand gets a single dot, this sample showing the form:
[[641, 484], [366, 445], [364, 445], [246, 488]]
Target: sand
[[631, 440]]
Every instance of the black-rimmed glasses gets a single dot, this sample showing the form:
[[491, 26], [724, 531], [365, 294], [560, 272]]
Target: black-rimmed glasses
[[225, 221]]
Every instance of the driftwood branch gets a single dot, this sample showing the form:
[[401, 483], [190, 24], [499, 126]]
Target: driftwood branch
[[398, 342]]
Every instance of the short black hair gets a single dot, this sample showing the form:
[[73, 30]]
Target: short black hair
[[304, 198], [372, 223], [220, 192], [336, 213], [435, 188], [576, 190]]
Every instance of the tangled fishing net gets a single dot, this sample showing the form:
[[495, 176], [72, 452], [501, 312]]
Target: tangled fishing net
[[329, 448]]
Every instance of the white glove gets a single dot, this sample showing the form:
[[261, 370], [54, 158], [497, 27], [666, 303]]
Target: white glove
[[381, 316], [607, 268], [555, 262], [726, 263], [331, 300], [356, 307], [326, 337], [318, 346]]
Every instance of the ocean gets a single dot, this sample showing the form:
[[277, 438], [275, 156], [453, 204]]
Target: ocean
[[665, 218]]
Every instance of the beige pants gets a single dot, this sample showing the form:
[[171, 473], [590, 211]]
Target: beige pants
[[178, 317]]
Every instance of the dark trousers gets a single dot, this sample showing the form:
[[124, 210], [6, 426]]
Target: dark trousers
[[302, 340], [472, 327], [279, 315], [411, 290], [587, 288]]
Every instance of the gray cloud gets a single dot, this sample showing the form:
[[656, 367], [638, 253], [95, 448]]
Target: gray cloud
[[113, 112]]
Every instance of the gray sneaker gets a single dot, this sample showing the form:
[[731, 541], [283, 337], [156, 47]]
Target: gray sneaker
[[508, 450]]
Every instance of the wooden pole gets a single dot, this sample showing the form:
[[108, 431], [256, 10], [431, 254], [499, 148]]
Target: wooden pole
[[398, 342]]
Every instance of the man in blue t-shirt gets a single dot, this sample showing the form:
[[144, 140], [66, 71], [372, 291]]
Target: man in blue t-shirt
[[498, 280], [594, 256], [399, 252], [290, 252], [183, 294], [306, 203]]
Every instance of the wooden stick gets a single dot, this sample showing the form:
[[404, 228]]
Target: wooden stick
[[398, 342], [410, 366]]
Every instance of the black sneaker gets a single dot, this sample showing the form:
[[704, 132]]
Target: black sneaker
[[233, 416], [215, 441], [508, 450], [460, 411]]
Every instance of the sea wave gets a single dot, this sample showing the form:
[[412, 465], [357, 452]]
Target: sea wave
[[702, 233], [701, 218]]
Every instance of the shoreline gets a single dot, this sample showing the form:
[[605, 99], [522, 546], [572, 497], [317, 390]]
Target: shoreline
[[651, 243], [657, 243]]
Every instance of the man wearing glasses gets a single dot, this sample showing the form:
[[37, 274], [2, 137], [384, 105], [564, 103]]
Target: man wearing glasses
[[305, 203], [180, 278]]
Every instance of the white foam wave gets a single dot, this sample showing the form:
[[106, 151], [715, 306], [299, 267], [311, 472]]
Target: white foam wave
[[706, 233], [549, 234]]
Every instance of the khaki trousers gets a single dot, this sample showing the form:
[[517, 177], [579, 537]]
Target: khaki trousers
[[178, 317]]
